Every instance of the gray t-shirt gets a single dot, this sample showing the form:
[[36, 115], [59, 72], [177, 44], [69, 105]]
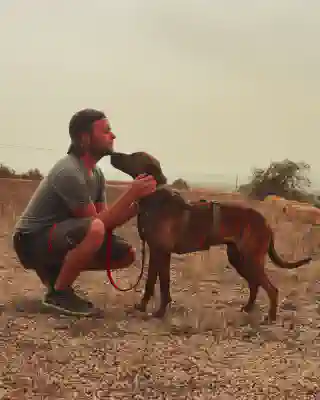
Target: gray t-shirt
[[67, 186]]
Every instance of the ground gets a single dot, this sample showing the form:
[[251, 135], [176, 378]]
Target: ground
[[205, 348]]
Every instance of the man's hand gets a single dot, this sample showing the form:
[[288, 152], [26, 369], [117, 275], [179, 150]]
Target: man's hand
[[142, 186], [124, 208]]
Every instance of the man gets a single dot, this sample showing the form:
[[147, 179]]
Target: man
[[63, 229]]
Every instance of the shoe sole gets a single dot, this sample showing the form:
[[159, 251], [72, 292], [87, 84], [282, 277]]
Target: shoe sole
[[68, 312]]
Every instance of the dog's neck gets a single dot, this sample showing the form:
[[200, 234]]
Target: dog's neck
[[145, 202]]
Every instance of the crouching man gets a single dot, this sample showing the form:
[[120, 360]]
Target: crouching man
[[63, 229]]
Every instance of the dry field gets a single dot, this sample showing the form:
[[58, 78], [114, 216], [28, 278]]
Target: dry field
[[204, 349]]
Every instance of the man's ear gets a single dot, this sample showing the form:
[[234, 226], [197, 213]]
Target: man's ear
[[84, 140]]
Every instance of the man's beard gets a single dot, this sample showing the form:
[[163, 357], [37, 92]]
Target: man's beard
[[100, 153]]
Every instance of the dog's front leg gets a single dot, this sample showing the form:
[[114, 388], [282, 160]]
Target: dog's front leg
[[163, 262], [150, 283]]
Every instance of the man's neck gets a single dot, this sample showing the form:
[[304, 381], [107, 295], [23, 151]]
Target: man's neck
[[89, 162]]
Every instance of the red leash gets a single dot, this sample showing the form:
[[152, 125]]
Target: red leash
[[108, 264]]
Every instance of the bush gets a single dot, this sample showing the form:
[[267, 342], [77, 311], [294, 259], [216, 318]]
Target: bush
[[180, 184], [32, 174], [7, 172], [286, 179]]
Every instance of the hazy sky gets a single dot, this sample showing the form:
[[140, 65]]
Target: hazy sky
[[207, 86]]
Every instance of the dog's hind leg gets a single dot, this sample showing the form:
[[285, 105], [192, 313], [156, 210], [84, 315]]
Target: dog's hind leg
[[237, 260], [256, 276], [150, 283], [253, 287], [272, 293], [257, 262]]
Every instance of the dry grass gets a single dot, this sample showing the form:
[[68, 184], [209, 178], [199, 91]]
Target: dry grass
[[204, 349]]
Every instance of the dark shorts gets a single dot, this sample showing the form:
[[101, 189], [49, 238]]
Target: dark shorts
[[47, 248]]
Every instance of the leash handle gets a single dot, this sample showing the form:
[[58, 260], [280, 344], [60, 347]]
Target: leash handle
[[108, 265]]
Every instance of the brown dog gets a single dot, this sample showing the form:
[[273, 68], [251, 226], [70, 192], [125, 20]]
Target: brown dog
[[169, 224]]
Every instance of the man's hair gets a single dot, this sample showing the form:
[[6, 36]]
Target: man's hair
[[81, 122]]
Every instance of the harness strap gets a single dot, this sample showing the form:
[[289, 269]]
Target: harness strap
[[216, 217]]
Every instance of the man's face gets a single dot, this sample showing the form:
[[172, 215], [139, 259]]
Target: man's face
[[102, 138]]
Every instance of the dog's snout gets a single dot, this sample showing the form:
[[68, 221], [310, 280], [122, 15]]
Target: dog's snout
[[113, 159], [123, 162]]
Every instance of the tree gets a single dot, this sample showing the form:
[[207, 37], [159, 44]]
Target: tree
[[32, 174], [285, 178]]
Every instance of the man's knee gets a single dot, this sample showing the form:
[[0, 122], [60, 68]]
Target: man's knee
[[126, 257], [96, 233]]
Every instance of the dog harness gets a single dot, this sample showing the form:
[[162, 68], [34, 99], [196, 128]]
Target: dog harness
[[201, 242], [205, 239]]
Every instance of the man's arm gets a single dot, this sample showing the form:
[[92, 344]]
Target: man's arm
[[101, 204], [126, 207], [116, 215], [101, 201], [72, 188], [126, 214]]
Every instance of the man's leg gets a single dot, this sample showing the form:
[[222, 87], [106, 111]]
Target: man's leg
[[72, 244], [44, 252], [31, 251], [84, 246], [60, 254], [122, 255], [80, 255]]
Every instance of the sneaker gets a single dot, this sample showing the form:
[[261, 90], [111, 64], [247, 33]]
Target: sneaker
[[68, 302], [83, 293]]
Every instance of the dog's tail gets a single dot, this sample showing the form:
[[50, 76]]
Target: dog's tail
[[143, 253], [277, 260]]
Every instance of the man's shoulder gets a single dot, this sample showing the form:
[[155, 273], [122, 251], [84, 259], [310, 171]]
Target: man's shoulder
[[66, 169], [66, 165], [69, 166]]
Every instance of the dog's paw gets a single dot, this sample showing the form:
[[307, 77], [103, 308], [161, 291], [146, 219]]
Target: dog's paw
[[268, 320], [159, 313], [247, 308]]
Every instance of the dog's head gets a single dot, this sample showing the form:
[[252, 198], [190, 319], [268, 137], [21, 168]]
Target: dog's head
[[138, 163]]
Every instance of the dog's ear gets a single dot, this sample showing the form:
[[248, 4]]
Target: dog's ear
[[151, 169], [187, 206], [156, 172]]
